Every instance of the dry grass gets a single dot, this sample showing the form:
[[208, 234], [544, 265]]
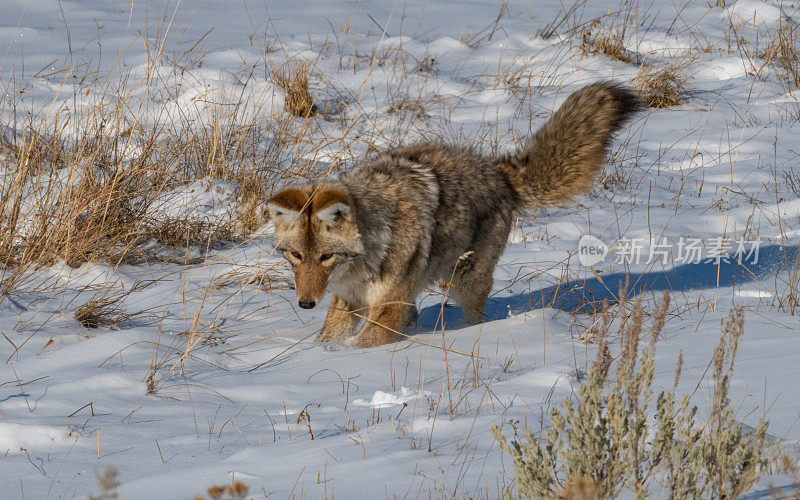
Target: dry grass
[[294, 81], [107, 483], [597, 40], [251, 210], [184, 232], [792, 180], [405, 105], [661, 87], [104, 308], [783, 54], [235, 491], [100, 213], [789, 465], [42, 221], [88, 188], [579, 487]]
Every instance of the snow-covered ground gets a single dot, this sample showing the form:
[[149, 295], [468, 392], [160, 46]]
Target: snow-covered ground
[[256, 399]]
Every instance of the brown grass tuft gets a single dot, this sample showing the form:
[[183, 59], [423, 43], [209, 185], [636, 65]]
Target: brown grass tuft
[[181, 233], [108, 484], [598, 40], [236, 491], [661, 87], [294, 81], [104, 309], [41, 222], [787, 464]]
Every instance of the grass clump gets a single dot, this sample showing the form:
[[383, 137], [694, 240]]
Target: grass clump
[[108, 483], [661, 87], [294, 81], [236, 491], [597, 40], [606, 441], [104, 309], [99, 311]]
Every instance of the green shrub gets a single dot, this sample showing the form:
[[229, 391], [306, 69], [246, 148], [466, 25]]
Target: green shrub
[[606, 441]]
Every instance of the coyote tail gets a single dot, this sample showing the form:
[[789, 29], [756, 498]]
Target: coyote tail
[[561, 159]]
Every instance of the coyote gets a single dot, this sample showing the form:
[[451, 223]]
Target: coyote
[[426, 212]]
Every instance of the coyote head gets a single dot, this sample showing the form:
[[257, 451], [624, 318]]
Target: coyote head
[[315, 230]]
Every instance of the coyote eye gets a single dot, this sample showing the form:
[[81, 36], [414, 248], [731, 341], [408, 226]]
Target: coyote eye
[[326, 257], [292, 255]]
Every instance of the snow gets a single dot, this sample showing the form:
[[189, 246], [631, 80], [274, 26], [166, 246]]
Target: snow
[[256, 399], [755, 12], [16, 438], [203, 200], [381, 398]]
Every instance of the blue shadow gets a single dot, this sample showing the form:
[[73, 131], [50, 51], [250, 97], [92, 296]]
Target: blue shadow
[[587, 295]]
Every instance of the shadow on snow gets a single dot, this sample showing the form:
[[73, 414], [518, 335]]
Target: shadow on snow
[[587, 295]]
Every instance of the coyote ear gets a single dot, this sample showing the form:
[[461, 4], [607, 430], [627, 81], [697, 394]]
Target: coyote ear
[[282, 215], [285, 207], [334, 213], [332, 207]]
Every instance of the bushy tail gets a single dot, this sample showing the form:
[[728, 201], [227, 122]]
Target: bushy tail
[[562, 158]]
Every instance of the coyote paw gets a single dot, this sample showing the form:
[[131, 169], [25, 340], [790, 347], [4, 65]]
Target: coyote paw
[[331, 336], [374, 337], [360, 342]]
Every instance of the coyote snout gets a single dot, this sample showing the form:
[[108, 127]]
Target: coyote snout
[[430, 212], [311, 279]]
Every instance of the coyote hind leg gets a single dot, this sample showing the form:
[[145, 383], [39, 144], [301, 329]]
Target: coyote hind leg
[[470, 292], [410, 315], [473, 274]]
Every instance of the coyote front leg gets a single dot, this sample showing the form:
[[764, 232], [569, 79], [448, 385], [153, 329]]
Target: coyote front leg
[[341, 321], [383, 323]]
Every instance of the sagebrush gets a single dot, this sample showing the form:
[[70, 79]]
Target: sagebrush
[[605, 442]]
